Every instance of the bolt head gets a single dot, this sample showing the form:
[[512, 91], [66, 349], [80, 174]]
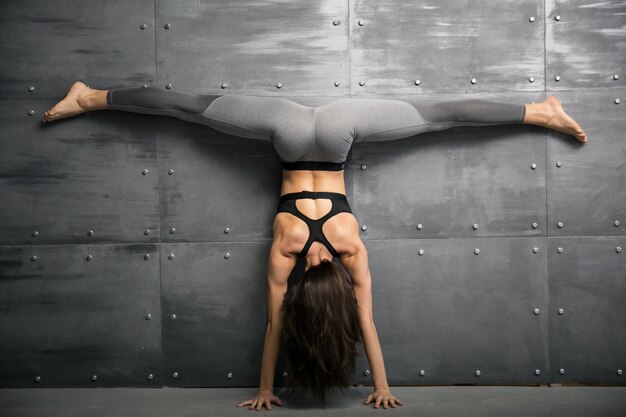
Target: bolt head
[[475, 226], [616, 76], [562, 371], [557, 78], [537, 372], [557, 17], [417, 82], [559, 225], [476, 251], [535, 225], [533, 165], [532, 18], [336, 22], [477, 372], [422, 372], [419, 226], [535, 250], [617, 101], [337, 83], [421, 252], [364, 227], [536, 311], [561, 311], [473, 81], [279, 85], [361, 83], [618, 249], [361, 22]]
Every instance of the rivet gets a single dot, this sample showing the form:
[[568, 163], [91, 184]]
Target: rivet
[[475, 226], [94, 377], [533, 165], [476, 251], [559, 164], [227, 230], [422, 373], [173, 316], [361, 83], [167, 26], [361, 22], [148, 316], [557, 78], [561, 311], [473, 81], [31, 88], [557, 17], [419, 226], [33, 258], [532, 18], [616, 223], [366, 372], [535, 225], [88, 257], [562, 371], [145, 86], [559, 225], [363, 166], [143, 26], [477, 372], [279, 85], [417, 82], [336, 22], [537, 372], [172, 230], [364, 227], [224, 85], [226, 255], [90, 233], [175, 375], [616, 76], [421, 252], [617, 101], [144, 171], [531, 79], [618, 249], [146, 232], [536, 311], [559, 250], [150, 377], [146, 256], [337, 83], [535, 250], [37, 378], [35, 233], [171, 256], [168, 86], [31, 112], [619, 372], [170, 171], [230, 375], [285, 374]]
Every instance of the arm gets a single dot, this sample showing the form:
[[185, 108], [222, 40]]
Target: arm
[[354, 260], [278, 271]]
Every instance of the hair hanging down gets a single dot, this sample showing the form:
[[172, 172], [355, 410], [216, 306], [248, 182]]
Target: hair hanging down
[[320, 330]]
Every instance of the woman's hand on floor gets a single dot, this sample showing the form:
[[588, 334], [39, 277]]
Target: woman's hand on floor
[[383, 396], [266, 398]]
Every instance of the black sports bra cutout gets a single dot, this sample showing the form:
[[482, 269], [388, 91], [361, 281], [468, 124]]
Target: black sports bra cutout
[[339, 204]]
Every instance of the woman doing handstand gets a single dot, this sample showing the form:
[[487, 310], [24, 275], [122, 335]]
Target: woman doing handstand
[[320, 319]]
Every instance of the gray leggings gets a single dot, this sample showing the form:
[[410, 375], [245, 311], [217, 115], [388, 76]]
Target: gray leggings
[[304, 133]]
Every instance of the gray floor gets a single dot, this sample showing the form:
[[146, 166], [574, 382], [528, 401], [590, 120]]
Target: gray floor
[[466, 401]]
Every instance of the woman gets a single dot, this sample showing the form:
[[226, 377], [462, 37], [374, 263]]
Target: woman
[[318, 320]]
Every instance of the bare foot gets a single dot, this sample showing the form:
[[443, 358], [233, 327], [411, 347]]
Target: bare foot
[[557, 119], [71, 105]]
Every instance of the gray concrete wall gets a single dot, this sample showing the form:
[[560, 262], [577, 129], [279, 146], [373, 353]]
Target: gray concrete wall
[[133, 248]]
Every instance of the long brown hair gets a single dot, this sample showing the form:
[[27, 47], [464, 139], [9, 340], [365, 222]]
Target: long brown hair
[[320, 330]]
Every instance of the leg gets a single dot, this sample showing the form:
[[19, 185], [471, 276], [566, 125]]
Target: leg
[[360, 120], [287, 124]]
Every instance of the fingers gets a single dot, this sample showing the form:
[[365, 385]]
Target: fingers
[[368, 399], [244, 403]]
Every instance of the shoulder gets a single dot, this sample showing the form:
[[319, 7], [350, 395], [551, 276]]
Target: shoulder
[[289, 234], [343, 233]]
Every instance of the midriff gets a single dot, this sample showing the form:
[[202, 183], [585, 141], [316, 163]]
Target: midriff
[[304, 180]]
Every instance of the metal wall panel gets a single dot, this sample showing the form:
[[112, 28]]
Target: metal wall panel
[[447, 181], [585, 44], [66, 318], [445, 44], [217, 292], [451, 312], [587, 282], [586, 193], [253, 46], [50, 44], [62, 180]]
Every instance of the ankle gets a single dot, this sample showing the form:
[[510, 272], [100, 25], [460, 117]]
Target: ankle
[[93, 100], [538, 114]]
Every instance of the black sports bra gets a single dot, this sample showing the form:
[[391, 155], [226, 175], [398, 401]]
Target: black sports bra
[[339, 205]]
